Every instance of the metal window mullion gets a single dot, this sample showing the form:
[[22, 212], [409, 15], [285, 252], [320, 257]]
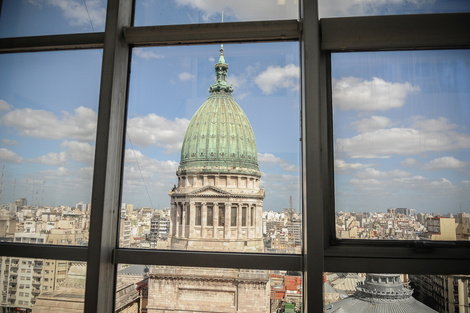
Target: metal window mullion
[[52, 43], [396, 32], [289, 262], [367, 264], [101, 270], [312, 69], [38, 251], [236, 32]]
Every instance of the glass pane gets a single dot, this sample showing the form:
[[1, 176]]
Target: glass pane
[[152, 12], [195, 289], [48, 114], [345, 8], [195, 159], [402, 144], [49, 17], [360, 292], [41, 285]]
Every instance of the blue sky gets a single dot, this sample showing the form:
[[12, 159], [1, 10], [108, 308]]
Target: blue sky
[[48, 106]]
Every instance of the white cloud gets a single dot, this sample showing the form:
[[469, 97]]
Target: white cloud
[[275, 77], [46, 125], [287, 167], [9, 156], [186, 76], [401, 141], [4, 106], [447, 162], [74, 151], [268, 158], [79, 13], [352, 93], [409, 162], [146, 54], [9, 142], [371, 123], [343, 166], [141, 172], [339, 8], [245, 9], [156, 130], [433, 125], [372, 173]]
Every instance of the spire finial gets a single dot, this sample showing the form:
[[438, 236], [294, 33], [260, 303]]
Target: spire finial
[[221, 58], [221, 69]]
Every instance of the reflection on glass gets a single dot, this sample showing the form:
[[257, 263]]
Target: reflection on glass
[[195, 12], [217, 174], [39, 285], [194, 289], [360, 292], [38, 17], [345, 8], [48, 114], [402, 145]]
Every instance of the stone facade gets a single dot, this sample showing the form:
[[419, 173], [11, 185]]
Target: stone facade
[[185, 289]]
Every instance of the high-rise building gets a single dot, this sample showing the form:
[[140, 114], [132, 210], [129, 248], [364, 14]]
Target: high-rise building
[[216, 206]]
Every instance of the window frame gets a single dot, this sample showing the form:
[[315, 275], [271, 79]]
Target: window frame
[[317, 40]]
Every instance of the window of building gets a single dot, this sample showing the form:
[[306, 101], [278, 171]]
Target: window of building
[[221, 214], [244, 216], [322, 50], [198, 214], [233, 216], [210, 215]]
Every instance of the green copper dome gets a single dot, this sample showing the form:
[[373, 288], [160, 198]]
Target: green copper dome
[[219, 138]]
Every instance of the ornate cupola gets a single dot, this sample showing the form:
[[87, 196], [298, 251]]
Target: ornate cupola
[[219, 138], [218, 203]]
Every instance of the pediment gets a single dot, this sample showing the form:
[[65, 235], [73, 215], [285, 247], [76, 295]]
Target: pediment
[[209, 191]]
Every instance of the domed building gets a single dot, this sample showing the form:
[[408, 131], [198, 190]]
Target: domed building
[[380, 293], [218, 203], [216, 206]]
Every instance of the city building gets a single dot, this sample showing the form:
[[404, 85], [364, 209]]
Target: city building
[[216, 206], [441, 228], [444, 293]]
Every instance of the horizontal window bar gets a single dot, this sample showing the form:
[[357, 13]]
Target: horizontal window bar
[[368, 264], [50, 43], [213, 33], [423, 250], [289, 262], [400, 32], [69, 253]]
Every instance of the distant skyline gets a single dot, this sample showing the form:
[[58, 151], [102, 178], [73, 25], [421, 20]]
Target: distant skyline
[[383, 103]]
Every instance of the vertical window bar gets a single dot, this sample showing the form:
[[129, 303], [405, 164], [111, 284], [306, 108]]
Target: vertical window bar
[[99, 297], [312, 140]]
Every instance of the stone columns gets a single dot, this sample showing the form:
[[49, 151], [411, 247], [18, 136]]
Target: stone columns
[[204, 220], [183, 219], [248, 221], [239, 220], [192, 218], [173, 219], [228, 212], [215, 213], [177, 219]]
